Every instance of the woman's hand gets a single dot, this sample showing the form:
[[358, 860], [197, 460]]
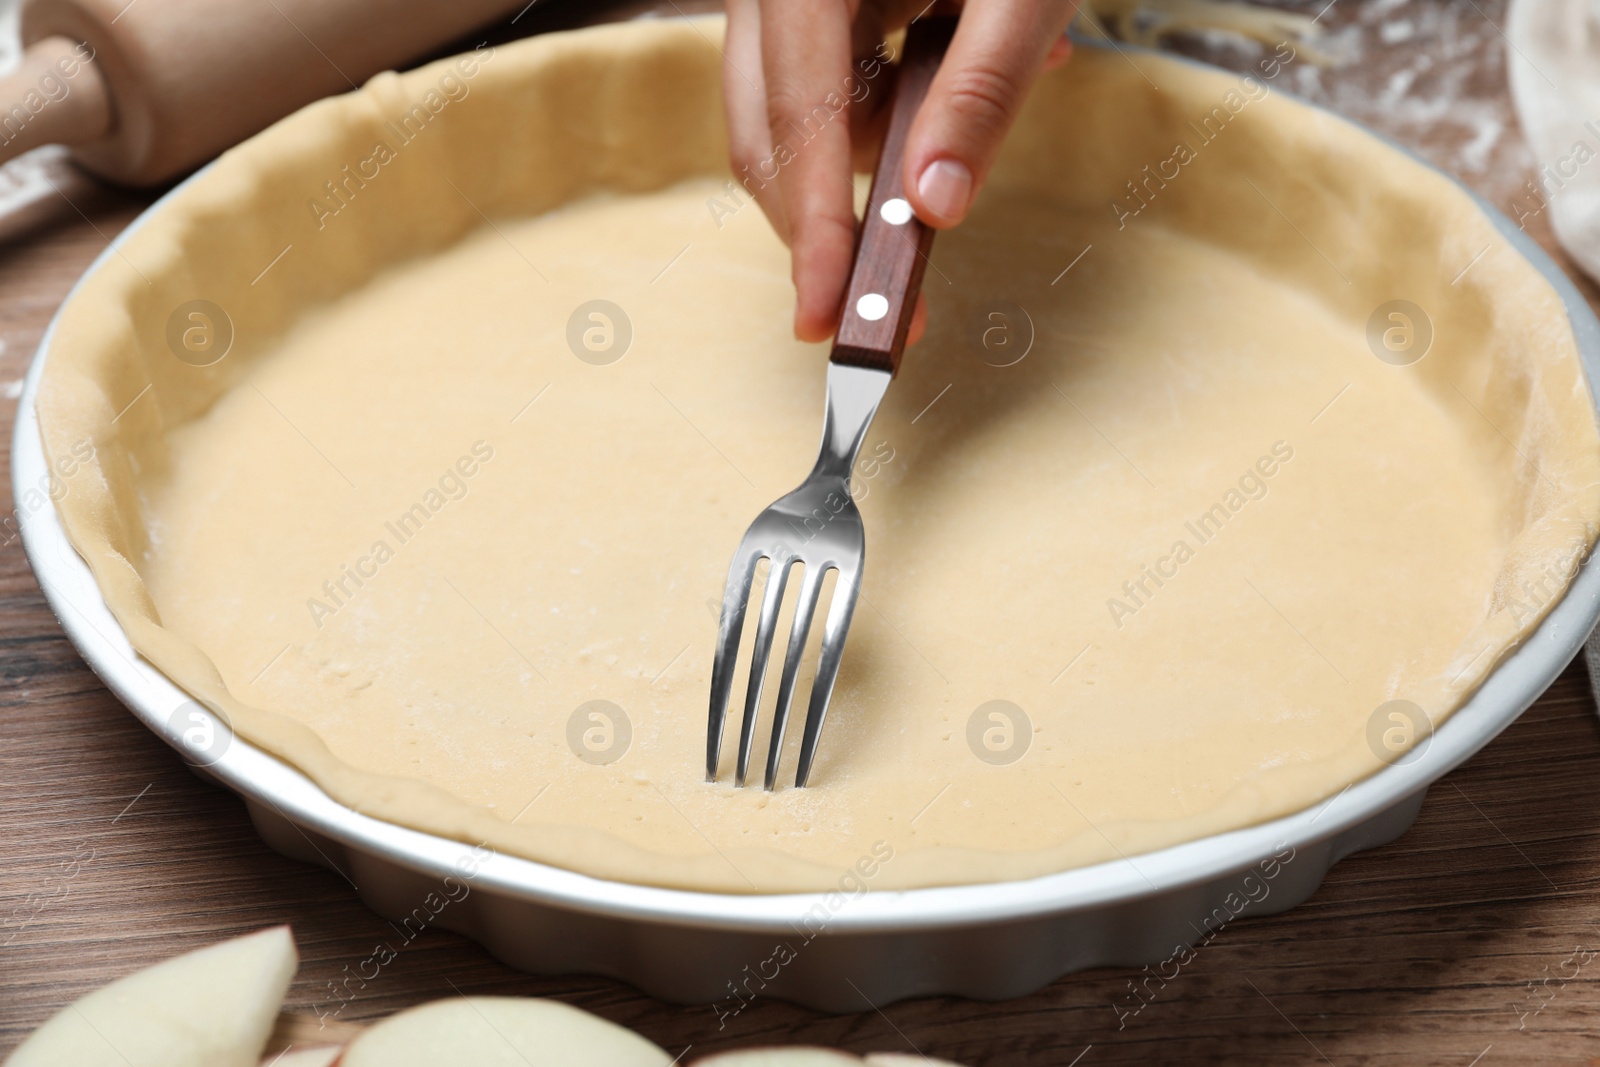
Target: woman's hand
[[806, 86]]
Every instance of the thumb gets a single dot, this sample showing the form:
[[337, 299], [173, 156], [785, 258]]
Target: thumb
[[999, 48]]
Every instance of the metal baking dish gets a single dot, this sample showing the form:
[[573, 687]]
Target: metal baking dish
[[834, 952]]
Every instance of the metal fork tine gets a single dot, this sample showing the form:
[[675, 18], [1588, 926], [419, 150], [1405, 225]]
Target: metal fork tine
[[735, 599], [843, 606], [777, 578], [805, 610]]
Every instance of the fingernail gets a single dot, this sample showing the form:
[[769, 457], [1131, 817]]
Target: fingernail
[[945, 187], [1059, 53]]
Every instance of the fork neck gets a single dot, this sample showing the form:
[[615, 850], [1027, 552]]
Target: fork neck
[[853, 397]]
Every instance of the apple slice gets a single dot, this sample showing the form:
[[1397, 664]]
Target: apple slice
[[212, 1007], [326, 1056], [499, 1032], [905, 1059], [794, 1056]]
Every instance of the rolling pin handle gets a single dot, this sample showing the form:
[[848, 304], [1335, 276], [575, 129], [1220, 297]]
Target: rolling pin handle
[[56, 96]]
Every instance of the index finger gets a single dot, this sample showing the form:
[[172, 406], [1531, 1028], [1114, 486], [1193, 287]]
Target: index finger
[[806, 55]]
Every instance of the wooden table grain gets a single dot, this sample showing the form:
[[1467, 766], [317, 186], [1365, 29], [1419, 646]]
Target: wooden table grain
[[1471, 940]]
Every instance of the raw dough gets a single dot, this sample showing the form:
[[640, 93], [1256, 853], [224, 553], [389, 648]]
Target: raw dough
[[1198, 318]]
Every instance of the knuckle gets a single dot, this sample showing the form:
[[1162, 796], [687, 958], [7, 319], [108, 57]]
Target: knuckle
[[832, 227], [985, 93], [824, 232], [784, 102]]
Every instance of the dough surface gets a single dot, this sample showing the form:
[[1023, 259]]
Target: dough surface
[[1145, 480]]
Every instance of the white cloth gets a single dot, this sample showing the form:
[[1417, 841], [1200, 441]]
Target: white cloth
[[1554, 68]]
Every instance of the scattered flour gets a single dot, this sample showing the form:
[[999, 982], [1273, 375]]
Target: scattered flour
[[1430, 74]]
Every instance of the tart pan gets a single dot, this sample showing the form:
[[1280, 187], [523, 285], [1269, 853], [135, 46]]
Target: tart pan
[[836, 951]]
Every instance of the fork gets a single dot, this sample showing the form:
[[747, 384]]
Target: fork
[[818, 524]]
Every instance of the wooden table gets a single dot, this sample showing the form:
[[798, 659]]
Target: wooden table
[[113, 856]]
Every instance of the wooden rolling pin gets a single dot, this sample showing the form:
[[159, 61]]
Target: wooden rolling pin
[[146, 90]]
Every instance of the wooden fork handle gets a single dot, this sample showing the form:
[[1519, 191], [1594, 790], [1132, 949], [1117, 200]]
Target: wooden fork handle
[[892, 244]]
